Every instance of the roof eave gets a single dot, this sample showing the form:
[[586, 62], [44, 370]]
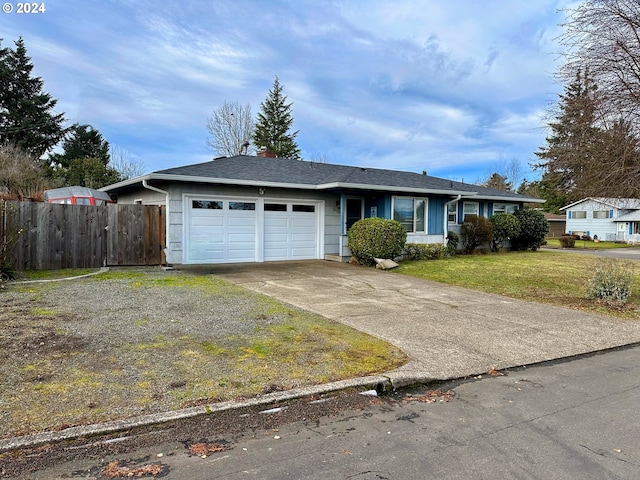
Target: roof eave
[[126, 183], [391, 188], [306, 186], [513, 199]]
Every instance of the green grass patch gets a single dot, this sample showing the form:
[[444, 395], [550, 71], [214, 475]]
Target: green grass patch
[[120, 274], [542, 276], [54, 274], [43, 311]]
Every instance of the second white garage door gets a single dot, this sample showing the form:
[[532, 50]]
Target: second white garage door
[[290, 231]]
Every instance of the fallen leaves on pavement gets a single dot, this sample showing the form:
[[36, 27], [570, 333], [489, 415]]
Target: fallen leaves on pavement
[[432, 396], [201, 449], [494, 373], [118, 469]]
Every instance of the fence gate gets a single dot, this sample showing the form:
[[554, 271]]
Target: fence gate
[[45, 236]]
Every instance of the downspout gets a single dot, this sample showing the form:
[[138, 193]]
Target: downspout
[[166, 220], [446, 218]]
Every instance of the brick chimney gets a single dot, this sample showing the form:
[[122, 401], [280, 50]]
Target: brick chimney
[[264, 152]]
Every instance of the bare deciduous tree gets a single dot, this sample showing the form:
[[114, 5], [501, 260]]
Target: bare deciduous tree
[[231, 128], [119, 160], [20, 173], [506, 175], [603, 38]]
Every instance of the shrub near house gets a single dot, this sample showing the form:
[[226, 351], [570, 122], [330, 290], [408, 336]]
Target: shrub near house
[[505, 227], [533, 229], [476, 231], [375, 237]]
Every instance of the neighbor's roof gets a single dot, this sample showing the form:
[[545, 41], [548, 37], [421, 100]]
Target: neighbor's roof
[[620, 203], [554, 217], [287, 173], [633, 216]]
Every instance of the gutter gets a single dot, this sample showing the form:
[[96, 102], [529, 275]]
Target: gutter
[[166, 221], [446, 218]]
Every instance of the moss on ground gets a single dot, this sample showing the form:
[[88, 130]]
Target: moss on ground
[[56, 374]]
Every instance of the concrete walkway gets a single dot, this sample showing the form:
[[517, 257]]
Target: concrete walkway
[[448, 332]]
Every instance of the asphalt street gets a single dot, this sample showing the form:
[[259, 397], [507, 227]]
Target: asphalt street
[[559, 420], [630, 253]]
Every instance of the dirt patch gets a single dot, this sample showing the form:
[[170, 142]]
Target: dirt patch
[[139, 341]]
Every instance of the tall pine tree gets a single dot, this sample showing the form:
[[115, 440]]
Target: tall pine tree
[[589, 152], [573, 148], [27, 117], [274, 123]]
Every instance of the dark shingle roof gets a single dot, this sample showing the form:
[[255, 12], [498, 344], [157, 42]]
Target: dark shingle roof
[[250, 170], [296, 172]]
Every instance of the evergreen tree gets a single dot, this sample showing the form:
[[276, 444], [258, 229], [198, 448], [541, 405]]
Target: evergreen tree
[[27, 118], [497, 182], [546, 190], [274, 122], [588, 154], [82, 141], [90, 172], [573, 147], [85, 159]]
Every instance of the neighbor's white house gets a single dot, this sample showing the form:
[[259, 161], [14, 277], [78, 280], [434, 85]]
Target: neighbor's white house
[[613, 219]]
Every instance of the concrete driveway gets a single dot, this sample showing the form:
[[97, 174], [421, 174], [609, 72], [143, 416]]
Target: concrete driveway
[[448, 332]]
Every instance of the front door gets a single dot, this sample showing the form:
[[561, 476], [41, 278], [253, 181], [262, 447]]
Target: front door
[[355, 210]]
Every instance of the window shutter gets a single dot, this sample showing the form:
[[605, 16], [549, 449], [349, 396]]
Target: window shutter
[[569, 215], [610, 213]]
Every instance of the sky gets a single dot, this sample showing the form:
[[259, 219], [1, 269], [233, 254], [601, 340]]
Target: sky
[[457, 88]]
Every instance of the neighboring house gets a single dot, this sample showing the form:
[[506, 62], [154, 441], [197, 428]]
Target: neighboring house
[[613, 219], [557, 224], [253, 209]]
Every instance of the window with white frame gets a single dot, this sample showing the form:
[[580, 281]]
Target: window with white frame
[[452, 212], [470, 208], [578, 214], [504, 208], [601, 214], [411, 213]]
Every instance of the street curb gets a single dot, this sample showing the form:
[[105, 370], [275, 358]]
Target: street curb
[[385, 382], [379, 383]]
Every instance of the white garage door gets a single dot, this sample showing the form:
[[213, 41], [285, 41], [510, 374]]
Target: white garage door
[[221, 231], [228, 230], [290, 231]]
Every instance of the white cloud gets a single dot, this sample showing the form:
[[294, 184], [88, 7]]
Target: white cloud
[[413, 84]]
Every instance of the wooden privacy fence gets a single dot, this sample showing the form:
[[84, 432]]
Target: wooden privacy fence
[[53, 236]]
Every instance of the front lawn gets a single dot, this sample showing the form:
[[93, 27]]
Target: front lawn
[[542, 276]]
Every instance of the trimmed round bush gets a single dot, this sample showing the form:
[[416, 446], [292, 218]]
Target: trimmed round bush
[[533, 228], [371, 238], [505, 227]]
